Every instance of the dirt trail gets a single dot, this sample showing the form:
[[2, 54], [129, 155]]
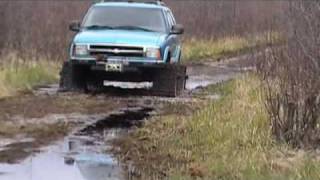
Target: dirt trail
[[51, 135]]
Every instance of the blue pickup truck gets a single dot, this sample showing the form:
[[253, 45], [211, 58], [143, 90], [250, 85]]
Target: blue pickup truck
[[129, 42]]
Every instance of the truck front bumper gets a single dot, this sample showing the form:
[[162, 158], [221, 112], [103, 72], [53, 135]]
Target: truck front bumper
[[126, 66]]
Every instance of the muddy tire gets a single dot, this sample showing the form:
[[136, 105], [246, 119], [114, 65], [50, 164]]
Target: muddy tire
[[169, 80], [94, 82], [73, 77]]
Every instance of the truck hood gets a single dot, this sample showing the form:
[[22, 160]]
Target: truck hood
[[120, 37]]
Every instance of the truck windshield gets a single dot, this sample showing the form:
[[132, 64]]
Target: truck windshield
[[129, 18]]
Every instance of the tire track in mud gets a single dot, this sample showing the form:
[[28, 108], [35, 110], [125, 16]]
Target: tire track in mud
[[94, 120]]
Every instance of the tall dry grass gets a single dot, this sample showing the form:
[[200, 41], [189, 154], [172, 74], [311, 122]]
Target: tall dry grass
[[197, 50], [18, 75]]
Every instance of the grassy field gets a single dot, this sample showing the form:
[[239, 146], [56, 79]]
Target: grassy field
[[229, 139], [195, 50], [17, 75]]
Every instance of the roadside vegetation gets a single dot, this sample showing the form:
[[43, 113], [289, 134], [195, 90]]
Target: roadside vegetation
[[198, 50], [228, 139], [17, 75], [290, 76]]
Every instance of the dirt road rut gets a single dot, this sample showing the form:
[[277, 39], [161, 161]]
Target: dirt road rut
[[50, 135]]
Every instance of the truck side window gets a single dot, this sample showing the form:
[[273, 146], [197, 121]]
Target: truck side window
[[172, 18], [169, 19]]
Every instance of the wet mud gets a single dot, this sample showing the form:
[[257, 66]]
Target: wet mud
[[82, 155], [94, 121]]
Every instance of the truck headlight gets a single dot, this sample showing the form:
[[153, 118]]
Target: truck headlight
[[153, 53], [80, 50]]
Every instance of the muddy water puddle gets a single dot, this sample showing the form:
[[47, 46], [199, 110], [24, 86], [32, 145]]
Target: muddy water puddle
[[83, 155], [200, 76]]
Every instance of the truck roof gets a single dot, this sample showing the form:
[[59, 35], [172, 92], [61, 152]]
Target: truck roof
[[130, 4]]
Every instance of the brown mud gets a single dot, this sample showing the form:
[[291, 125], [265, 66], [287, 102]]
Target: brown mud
[[71, 135]]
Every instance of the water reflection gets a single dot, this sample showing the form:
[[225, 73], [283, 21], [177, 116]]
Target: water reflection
[[81, 156], [54, 164]]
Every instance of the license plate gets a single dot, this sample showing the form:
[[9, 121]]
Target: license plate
[[117, 67]]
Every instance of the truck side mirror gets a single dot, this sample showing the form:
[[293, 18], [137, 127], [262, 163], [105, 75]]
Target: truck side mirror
[[177, 29], [74, 26]]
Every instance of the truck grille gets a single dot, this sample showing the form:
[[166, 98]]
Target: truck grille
[[112, 50]]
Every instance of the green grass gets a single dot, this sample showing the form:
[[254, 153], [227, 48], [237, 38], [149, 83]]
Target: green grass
[[17, 75], [195, 50], [229, 139]]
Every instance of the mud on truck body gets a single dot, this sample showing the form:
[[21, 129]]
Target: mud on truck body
[[126, 41]]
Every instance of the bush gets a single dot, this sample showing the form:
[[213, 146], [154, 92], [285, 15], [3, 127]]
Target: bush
[[292, 78]]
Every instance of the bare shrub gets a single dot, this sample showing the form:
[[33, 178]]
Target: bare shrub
[[292, 77], [216, 19], [35, 29]]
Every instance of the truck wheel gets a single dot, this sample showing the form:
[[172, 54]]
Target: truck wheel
[[169, 80], [73, 77], [94, 82]]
